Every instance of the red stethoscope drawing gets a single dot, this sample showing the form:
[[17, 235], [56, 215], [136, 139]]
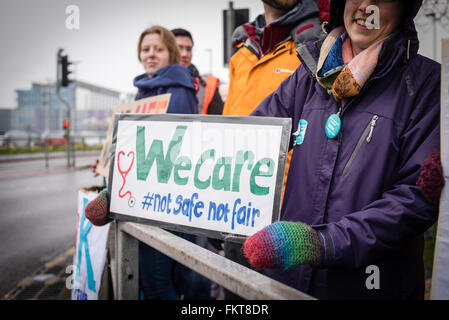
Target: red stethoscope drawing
[[124, 173]]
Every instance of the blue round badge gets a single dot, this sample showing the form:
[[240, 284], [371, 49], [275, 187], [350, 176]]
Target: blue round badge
[[333, 126]]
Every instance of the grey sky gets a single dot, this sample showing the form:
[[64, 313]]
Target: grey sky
[[105, 44]]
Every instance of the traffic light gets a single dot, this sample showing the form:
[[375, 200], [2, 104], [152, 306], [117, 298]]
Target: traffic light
[[66, 128], [65, 63]]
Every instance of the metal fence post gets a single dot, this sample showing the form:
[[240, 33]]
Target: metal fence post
[[127, 266], [113, 230], [46, 152]]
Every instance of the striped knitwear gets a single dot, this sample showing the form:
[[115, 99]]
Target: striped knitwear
[[96, 211], [283, 245]]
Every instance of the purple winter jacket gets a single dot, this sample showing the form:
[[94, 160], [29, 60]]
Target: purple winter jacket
[[359, 190]]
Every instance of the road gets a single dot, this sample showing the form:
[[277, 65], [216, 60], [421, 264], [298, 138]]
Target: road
[[37, 214]]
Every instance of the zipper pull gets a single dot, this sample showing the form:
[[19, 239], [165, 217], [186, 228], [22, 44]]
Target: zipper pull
[[339, 111], [372, 124]]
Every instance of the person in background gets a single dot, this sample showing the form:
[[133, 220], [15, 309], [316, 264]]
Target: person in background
[[209, 99], [353, 216], [160, 277], [265, 56]]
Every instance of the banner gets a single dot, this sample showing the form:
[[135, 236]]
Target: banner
[[440, 274], [157, 104], [90, 252], [210, 175]]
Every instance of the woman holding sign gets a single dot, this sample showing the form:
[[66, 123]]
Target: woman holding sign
[[157, 50], [365, 110], [162, 277]]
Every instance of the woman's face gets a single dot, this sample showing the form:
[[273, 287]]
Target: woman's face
[[355, 16], [154, 54]]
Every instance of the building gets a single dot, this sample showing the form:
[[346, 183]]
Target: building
[[40, 109], [5, 120]]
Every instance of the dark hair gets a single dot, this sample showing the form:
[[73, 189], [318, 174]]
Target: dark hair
[[179, 32]]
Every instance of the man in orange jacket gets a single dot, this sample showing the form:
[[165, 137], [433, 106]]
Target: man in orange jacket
[[265, 56], [266, 50]]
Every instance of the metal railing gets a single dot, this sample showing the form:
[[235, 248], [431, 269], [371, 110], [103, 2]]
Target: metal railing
[[124, 249], [36, 148], [60, 141]]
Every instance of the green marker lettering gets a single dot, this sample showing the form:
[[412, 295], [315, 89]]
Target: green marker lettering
[[164, 164], [223, 183], [256, 189], [208, 154], [240, 159]]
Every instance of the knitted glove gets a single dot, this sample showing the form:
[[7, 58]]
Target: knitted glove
[[96, 211], [431, 180], [283, 244]]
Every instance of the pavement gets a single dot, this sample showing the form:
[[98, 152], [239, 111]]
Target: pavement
[[49, 281], [46, 283]]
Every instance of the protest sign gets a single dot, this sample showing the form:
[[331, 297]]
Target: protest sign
[[211, 175], [440, 275], [157, 104], [90, 252]]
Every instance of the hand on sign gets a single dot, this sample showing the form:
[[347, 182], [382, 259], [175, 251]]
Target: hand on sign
[[431, 180], [96, 211], [283, 244]]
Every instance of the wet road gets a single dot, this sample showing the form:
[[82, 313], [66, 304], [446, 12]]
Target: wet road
[[37, 215]]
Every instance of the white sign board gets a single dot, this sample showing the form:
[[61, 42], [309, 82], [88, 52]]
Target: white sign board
[[211, 175], [90, 252]]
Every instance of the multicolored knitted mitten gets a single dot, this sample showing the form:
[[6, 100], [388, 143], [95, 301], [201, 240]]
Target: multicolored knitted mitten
[[431, 180], [283, 244], [96, 211]]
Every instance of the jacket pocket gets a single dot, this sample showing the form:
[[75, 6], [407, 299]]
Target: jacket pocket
[[366, 137]]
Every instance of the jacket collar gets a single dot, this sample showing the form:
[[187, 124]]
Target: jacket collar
[[400, 47]]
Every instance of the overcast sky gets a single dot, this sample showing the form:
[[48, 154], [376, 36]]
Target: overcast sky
[[31, 31]]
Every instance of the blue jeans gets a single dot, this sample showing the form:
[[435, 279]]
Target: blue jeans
[[162, 278], [156, 274]]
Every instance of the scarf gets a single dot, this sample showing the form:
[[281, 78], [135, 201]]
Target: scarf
[[340, 69]]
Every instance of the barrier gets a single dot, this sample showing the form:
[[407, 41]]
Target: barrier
[[247, 283]]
